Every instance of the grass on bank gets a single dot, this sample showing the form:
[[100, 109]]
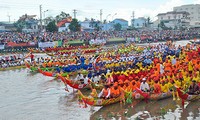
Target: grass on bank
[[75, 42], [12, 68], [116, 39]]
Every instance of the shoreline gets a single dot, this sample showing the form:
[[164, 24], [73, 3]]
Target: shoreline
[[12, 68]]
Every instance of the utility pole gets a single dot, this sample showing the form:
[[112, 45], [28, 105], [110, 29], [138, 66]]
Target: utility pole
[[74, 11], [133, 15], [9, 18], [41, 17], [101, 13]]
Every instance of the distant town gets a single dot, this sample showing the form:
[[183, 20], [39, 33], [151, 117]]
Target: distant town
[[182, 17]]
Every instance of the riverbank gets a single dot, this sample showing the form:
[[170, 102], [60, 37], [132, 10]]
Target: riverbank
[[12, 68]]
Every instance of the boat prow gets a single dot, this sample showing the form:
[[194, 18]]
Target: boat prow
[[186, 96], [72, 83], [46, 73]]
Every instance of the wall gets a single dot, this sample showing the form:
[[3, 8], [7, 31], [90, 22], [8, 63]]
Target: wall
[[124, 24], [193, 10], [139, 23]]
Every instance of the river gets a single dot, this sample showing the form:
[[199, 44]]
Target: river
[[32, 96]]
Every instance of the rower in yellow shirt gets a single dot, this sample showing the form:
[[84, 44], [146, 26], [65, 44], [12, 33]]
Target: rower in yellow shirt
[[164, 87]]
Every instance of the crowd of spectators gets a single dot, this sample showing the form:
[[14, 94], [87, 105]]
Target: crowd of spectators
[[17, 37]]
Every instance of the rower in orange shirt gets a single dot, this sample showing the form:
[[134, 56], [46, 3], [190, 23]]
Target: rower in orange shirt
[[127, 86], [137, 82], [157, 87], [121, 87], [115, 91], [133, 85], [105, 93]]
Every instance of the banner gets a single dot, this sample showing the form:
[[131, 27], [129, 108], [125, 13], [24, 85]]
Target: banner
[[59, 42], [2, 47], [130, 39], [46, 44], [23, 44], [97, 41]]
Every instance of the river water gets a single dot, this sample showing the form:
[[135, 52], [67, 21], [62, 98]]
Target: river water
[[32, 96]]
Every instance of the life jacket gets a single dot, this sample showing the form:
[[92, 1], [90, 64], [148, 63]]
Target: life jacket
[[115, 92], [157, 88]]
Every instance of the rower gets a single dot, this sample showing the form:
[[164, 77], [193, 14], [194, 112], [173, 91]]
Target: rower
[[144, 86], [105, 92], [79, 76], [194, 88], [115, 91], [157, 87], [109, 79]]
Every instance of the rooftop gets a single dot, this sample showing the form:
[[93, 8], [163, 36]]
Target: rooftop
[[188, 5], [66, 20], [120, 19], [173, 12]]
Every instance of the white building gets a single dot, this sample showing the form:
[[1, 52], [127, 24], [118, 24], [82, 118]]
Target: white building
[[194, 12], [64, 27], [86, 26], [174, 19], [139, 22]]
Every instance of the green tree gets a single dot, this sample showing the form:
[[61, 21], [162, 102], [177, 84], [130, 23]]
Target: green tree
[[20, 25], [74, 25], [95, 24], [162, 25], [148, 21], [51, 27], [117, 27], [61, 16]]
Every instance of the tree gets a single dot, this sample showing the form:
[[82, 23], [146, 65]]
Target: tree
[[74, 25], [95, 24], [20, 25], [148, 21], [92, 22], [51, 27], [117, 27], [162, 25], [48, 19], [61, 16]]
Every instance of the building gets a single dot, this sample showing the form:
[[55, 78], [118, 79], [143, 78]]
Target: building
[[122, 22], [139, 22], [174, 19], [87, 25], [107, 26], [30, 23], [7, 26], [194, 13]]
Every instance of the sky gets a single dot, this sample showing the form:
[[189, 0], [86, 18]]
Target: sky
[[89, 8]]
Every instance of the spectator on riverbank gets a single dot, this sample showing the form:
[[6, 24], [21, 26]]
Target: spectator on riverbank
[[143, 35]]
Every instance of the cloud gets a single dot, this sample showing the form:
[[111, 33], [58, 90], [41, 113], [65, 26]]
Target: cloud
[[168, 6], [196, 1]]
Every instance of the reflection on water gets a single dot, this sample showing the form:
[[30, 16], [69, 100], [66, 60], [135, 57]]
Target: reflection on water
[[32, 96], [164, 109]]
